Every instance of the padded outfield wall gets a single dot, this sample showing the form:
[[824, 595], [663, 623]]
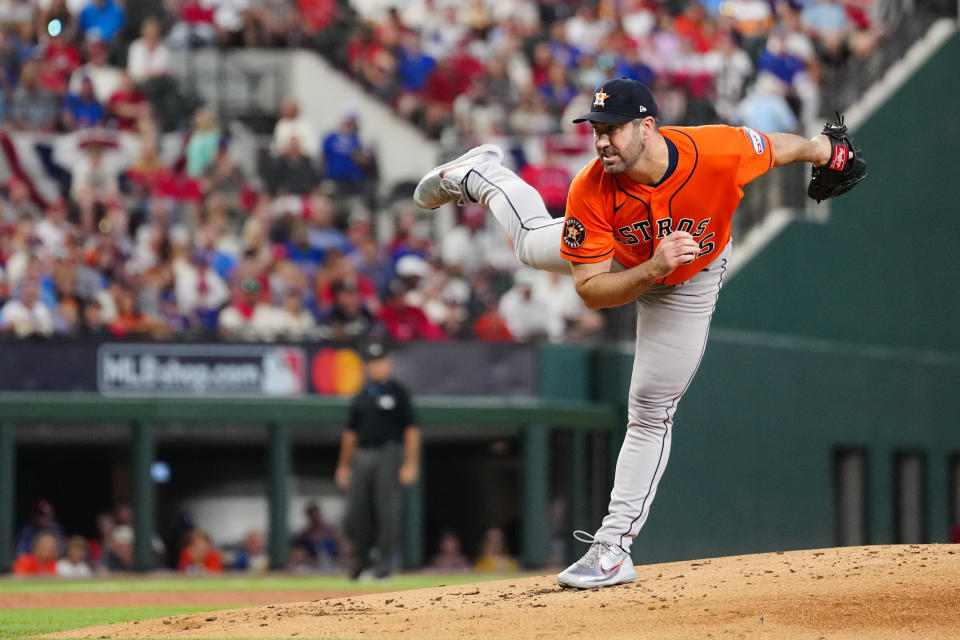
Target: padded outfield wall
[[843, 336]]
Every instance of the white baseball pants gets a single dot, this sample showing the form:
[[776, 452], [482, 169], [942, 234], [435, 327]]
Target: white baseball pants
[[672, 327]]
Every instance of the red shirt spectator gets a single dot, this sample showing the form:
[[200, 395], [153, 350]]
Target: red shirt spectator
[[316, 15], [405, 322], [694, 25], [450, 78], [211, 562], [127, 105], [148, 173], [490, 327], [62, 57], [51, 79], [42, 560], [29, 565], [193, 13], [620, 41], [551, 181], [181, 187], [362, 49], [200, 556], [152, 181]]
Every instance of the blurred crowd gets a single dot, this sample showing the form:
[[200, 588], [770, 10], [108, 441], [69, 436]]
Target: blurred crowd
[[158, 232], [154, 227], [42, 548], [521, 67]]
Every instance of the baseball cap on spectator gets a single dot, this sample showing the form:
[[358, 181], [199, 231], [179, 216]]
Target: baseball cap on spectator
[[620, 100], [348, 285], [397, 287], [122, 534], [524, 278], [359, 218], [96, 46], [44, 508], [412, 266], [456, 291]]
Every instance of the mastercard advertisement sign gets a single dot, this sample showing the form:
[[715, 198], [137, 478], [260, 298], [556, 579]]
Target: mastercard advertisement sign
[[336, 372], [227, 370]]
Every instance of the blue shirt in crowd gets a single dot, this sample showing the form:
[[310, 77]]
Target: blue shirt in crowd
[[102, 19], [338, 150], [86, 112], [414, 66]]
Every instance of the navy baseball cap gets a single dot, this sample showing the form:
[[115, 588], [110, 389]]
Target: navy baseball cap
[[620, 100]]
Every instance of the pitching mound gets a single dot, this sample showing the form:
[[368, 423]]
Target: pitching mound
[[883, 592]]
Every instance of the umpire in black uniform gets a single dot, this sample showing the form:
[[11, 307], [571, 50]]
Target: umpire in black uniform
[[379, 455]]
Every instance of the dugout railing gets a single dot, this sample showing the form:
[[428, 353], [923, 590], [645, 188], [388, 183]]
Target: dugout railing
[[533, 420]]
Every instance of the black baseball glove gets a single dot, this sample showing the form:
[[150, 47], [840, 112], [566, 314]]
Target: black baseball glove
[[845, 169]]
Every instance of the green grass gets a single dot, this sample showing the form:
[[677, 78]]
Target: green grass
[[228, 583], [20, 623]]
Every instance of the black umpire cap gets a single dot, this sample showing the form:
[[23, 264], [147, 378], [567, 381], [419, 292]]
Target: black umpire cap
[[620, 100], [375, 351]]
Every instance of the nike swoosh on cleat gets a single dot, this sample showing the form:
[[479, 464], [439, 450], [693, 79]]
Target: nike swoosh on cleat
[[607, 572], [446, 171]]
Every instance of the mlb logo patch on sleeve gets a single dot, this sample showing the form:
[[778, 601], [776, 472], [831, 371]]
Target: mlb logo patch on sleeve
[[759, 144]]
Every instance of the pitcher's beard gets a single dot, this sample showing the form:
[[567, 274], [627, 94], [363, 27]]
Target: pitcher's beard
[[613, 163]]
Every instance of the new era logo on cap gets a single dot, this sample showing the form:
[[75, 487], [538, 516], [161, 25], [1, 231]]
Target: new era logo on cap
[[620, 100]]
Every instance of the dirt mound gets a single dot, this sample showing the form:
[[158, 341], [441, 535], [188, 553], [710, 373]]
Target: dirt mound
[[883, 592]]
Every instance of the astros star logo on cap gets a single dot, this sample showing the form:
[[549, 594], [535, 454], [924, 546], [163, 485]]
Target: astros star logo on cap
[[599, 98]]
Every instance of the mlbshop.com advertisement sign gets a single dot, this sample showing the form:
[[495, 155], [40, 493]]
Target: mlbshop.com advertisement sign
[[200, 370]]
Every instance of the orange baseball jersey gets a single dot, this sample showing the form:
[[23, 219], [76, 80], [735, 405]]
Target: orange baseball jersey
[[613, 216]]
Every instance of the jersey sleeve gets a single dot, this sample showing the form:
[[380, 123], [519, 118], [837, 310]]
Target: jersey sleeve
[[587, 234], [353, 421], [405, 407], [756, 154]]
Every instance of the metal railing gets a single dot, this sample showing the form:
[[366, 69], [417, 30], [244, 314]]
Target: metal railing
[[533, 419]]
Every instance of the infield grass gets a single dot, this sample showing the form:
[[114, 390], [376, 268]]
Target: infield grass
[[399, 582], [16, 624], [20, 624]]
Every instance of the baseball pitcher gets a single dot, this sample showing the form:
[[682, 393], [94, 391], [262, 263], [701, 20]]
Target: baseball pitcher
[[647, 221]]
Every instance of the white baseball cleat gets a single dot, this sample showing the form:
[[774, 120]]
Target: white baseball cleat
[[603, 565], [444, 184]]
